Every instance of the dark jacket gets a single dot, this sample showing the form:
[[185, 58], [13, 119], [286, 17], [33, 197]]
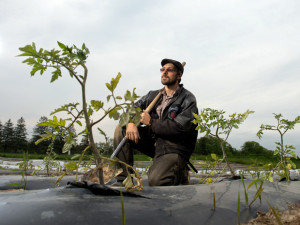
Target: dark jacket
[[174, 132]]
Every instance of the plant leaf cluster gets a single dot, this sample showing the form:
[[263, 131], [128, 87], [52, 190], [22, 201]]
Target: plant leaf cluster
[[73, 59], [286, 152]]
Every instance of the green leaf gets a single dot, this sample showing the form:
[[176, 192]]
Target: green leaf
[[46, 136], [61, 45], [114, 114], [108, 86], [67, 147], [108, 97], [71, 166], [136, 119], [102, 132], [214, 157], [79, 123], [128, 96], [115, 81], [124, 119], [90, 111], [56, 73], [254, 182], [97, 104]]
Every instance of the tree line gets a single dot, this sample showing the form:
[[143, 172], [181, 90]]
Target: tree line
[[208, 144], [13, 139]]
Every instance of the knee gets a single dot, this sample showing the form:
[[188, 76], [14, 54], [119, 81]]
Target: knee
[[153, 181]]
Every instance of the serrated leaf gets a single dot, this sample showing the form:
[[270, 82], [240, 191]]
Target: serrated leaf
[[114, 114], [56, 73], [114, 82]]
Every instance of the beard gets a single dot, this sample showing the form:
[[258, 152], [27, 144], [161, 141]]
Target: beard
[[165, 80]]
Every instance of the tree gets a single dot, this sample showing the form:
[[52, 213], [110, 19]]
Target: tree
[[73, 59], [1, 137], [38, 132], [254, 148], [208, 145], [20, 136], [286, 152], [212, 118], [106, 147], [8, 136]]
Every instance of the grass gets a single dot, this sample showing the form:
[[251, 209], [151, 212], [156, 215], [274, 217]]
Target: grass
[[34, 156], [259, 160]]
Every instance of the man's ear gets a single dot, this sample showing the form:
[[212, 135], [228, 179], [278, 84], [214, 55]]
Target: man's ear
[[179, 75]]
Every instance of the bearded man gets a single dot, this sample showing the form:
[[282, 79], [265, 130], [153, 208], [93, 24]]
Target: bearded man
[[166, 133]]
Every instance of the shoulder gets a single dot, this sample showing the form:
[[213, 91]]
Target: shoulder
[[188, 95], [152, 94]]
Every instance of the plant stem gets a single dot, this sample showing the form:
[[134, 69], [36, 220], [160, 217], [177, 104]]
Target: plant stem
[[98, 160]]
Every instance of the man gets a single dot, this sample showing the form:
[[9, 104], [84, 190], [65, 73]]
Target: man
[[167, 133]]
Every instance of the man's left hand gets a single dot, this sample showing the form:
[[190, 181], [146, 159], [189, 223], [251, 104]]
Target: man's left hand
[[145, 118]]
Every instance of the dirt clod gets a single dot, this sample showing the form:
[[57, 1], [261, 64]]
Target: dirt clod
[[288, 217]]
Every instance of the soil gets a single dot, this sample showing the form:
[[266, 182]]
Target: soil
[[290, 217]]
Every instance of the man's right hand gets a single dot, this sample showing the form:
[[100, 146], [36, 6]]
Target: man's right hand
[[132, 132]]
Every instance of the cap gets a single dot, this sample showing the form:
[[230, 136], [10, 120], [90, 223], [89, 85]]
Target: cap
[[178, 65]]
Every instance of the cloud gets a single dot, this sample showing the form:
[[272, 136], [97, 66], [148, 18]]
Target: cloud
[[239, 54]]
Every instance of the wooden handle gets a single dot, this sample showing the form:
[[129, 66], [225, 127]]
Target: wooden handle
[[148, 109]]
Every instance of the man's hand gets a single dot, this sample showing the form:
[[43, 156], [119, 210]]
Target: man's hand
[[145, 118], [132, 132]]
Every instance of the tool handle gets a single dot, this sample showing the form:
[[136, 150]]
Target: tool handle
[[117, 150], [151, 105]]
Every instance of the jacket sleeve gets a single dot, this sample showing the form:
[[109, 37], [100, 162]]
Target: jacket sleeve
[[181, 125]]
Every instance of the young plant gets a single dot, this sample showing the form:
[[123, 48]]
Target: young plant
[[211, 165], [209, 119], [25, 165], [73, 60], [286, 152]]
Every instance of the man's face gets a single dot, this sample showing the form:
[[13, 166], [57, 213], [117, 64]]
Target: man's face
[[169, 74]]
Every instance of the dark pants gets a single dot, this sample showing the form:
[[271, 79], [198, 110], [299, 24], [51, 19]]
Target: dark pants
[[168, 169]]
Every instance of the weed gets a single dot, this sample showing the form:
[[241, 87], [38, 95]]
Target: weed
[[275, 213], [239, 208]]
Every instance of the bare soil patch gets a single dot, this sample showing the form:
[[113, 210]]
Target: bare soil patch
[[288, 217]]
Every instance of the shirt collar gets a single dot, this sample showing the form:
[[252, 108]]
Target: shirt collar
[[175, 92]]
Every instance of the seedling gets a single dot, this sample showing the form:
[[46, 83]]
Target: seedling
[[209, 119], [286, 152]]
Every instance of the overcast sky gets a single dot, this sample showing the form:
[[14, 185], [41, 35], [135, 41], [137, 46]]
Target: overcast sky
[[240, 55]]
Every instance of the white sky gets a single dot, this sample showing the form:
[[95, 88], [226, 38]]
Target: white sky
[[240, 55]]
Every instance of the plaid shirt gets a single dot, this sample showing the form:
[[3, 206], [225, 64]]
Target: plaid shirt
[[164, 102]]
